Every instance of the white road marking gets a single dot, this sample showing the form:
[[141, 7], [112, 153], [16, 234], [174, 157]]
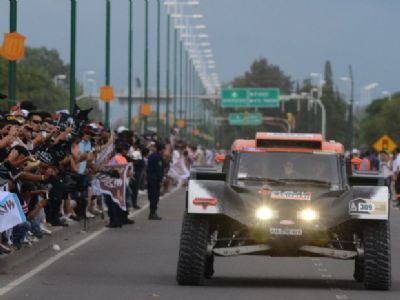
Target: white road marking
[[13, 284], [339, 294], [33, 272], [318, 264], [326, 275], [315, 259], [323, 270]]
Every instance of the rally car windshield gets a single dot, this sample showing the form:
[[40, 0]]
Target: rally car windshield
[[288, 167]]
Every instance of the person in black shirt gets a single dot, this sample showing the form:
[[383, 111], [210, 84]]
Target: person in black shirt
[[155, 174]]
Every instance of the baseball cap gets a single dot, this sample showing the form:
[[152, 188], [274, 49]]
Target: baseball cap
[[121, 129]]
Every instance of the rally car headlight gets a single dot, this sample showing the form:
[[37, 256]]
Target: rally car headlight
[[308, 214], [264, 213]]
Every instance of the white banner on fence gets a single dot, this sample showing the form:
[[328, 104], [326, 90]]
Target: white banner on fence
[[11, 212]]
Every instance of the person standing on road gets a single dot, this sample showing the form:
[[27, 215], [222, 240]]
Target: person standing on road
[[155, 175], [117, 216], [396, 177], [385, 166]]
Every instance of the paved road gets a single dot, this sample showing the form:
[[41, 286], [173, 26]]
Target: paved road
[[138, 262]]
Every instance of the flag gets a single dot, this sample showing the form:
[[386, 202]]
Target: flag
[[11, 213], [112, 181]]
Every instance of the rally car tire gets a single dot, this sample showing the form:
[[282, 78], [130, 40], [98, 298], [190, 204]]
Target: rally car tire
[[193, 250], [377, 268]]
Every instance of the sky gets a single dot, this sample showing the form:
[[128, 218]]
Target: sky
[[297, 35]]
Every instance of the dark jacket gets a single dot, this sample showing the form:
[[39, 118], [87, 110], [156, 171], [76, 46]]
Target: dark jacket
[[155, 168]]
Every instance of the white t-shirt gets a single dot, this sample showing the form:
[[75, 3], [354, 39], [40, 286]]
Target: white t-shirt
[[396, 164], [385, 168]]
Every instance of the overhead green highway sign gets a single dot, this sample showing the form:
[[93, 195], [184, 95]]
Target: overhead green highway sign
[[245, 119], [250, 97]]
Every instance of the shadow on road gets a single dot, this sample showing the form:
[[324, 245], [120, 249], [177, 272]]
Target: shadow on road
[[294, 283]]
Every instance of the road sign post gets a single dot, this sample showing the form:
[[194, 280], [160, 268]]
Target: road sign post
[[385, 143], [250, 97]]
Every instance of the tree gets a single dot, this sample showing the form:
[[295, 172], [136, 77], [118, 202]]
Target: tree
[[263, 74], [335, 108], [381, 118], [35, 75], [45, 60], [87, 103]]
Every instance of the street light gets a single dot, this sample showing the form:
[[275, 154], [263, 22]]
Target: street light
[[350, 80], [59, 78], [387, 94], [321, 82], [368, 89], [85, 78], [190, 3], [177, 16], [94, 86]]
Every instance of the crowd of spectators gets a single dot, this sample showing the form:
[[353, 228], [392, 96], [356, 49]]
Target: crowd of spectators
[[387, 164], [49, 162]]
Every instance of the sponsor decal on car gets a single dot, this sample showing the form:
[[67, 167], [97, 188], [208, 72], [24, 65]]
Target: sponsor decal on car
[[205, 202], [286, 231], [361, 206], [291, 195], [264, 192]]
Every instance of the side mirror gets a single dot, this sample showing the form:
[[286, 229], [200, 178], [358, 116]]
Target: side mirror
[[219, 158]]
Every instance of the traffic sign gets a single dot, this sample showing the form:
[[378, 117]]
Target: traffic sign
[[245, 119], [385, 143], [250, 97]]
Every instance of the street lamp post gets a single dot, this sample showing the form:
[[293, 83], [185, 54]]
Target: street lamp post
[[108, 56], [130, 63], [146, 59], [94, 87], [72, 67], [12, 65], [158, 64], [168, 74], [175, 73], [180, 79], [368, 89], [186, 90], [351, 107], [85, 79], [320, 83]]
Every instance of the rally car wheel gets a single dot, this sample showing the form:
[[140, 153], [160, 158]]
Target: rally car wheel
[[193, 250], [377, 271]]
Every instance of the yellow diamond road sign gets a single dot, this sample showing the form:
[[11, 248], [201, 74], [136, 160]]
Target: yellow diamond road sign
[[385, 143]]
